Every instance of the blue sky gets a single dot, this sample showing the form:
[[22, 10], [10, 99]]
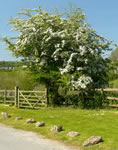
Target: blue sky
[[101, 15]]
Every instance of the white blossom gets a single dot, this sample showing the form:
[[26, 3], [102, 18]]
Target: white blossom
[[82, 50], [43, 53], [56, 52], [69, 66], [86, 61], [91, 51], [82, 82], [46, 40], [57, 45], [79, 68], [34, 29], [63, 43], [71, 57]]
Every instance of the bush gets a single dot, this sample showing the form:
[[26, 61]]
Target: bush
[[95, 99]]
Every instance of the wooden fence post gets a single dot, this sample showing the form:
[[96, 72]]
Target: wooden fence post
[[47, 98], [103, 94], [16, 96], [5, 96]]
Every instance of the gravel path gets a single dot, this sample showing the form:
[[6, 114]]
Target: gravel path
[[13, 139]]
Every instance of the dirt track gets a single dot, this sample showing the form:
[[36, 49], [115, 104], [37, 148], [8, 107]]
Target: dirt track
[[13, 139]]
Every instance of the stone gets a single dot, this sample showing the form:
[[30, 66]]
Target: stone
[[31, 120], [5, 115], [73, 134], [56, 128], [19, 118], [93, 140], [40, 124]]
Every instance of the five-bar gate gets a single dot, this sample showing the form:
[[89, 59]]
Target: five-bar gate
[[24, 99]]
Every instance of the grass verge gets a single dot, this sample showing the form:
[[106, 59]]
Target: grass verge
[[86, 122]]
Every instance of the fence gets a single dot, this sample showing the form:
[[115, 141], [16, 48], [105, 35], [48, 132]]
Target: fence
[[7, 96], [112, 96], [23, 99], [37, 99], [108, 95]]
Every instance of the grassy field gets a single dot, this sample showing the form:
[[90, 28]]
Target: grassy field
[[20, 78], [87, 122], [10, 79]]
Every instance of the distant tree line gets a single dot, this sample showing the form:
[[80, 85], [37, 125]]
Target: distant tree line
[[10, 65]]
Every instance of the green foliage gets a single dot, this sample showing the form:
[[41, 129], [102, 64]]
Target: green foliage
[[49, 77], [114, 55], [113, 83], [113, 73], [96, 100], [91, 100]]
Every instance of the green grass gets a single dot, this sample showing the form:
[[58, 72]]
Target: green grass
[[86, 122], [21, 78], [114, 83]]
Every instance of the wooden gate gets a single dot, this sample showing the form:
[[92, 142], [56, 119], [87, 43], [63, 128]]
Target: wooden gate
[[23, 99], [31, 99]]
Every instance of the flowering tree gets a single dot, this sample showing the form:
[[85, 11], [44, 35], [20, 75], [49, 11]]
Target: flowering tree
[[58, 46]]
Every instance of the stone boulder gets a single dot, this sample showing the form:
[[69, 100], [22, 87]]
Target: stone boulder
[[19, 118], [56, 128], [73, 134], [93, 140], [5, 115], [31, 120], [40, 124]]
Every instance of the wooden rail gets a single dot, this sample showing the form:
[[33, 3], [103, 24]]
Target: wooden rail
[[111, 90], [7, 96], [113, 100]]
